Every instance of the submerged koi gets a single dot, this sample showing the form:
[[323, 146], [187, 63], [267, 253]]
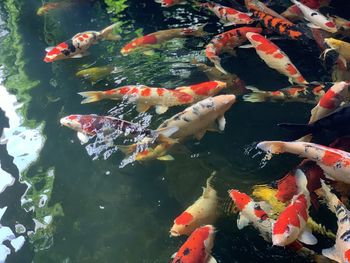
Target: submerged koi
[[169, 3], [157, 38], [275, 58], [227, 15], [77, 46], [48, 7], [226, 42]]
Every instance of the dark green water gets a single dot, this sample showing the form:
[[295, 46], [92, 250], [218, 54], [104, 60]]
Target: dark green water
[[90, 209]]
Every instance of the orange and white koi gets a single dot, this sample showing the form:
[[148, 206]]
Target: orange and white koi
[[298, 93], [77, 46], [330, 101], [197, 248], [275, 58], [152, 40], [144, 97], [233, 83], [335, 163], [205, 115], [291, 223], [226, 42], [316, 19], [201, 212], [251, 212], [340, 252], [281, 26], [227, 15], [203, 90], [169, 3]]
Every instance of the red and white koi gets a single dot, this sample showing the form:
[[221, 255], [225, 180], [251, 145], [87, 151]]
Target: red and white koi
[[340, 252], [330, 101], [294, 13], [77, 46], [197, 248], [251, 212], [316, 19], [202, 212], [155, 39], [169, 3], [291, 223], [298, 93], [275, 58], [335, 163], [226, 42], [144, 97], [227, 15]]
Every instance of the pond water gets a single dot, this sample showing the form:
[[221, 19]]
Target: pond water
[[76, 203]]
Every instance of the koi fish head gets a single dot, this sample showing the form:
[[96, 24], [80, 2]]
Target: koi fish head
[[138, 44], [241, 200], [333, 43], [181, 224], [223, 102], [72, 121], [59, 52]]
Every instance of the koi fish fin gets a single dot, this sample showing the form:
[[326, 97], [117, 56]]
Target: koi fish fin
[[161, 109], [167, 157], [313, 26], [127, 149], [91, 96], [246, 46], [212, 260], [301, 181], [221, 121], [163, 139], [307, 238], [209, 188], [141, 107], [331, 253], [256, 95], [306, 138], [198, 31], [107, 33], [149, 52], [242, 221], [220, 68], [229, 24], [83, 137], [168, 131], [199, 135], [48, 49], [343, 60]]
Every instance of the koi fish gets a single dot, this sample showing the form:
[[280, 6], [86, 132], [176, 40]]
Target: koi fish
[[152, 40], [48, 7], [255, 5], [77, 46], [205, 115], [90, 125], [298, 93], [233, 83], [144, 97], [316, 19], [226, 42], [330, 101], [251, 212], [275, 58], [95, 74], [203, 90], [291, 223], [197, 247], [281, 26], [341, 23], [336, 123], [144, 152], [202, 212], [341, 47], [340, 252], [227, 15], [334, 163], [169, 3]]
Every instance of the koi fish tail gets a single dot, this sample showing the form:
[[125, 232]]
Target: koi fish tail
[[91, 96], [198, 31], [301, 181], [107, 33], [272, 147], [256, 95]]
